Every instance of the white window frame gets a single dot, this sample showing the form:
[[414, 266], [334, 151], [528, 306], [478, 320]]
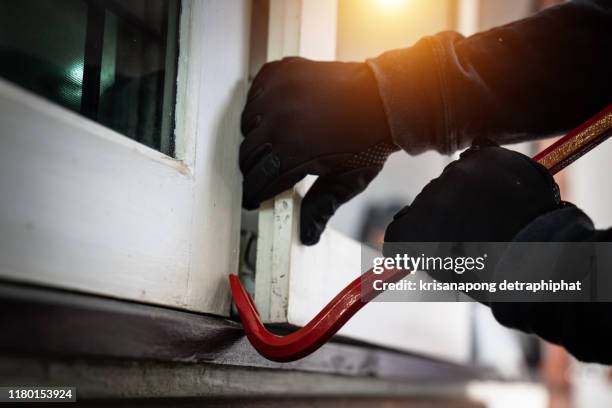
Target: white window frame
[[85, 208]]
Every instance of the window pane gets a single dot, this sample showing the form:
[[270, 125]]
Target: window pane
[[113, 61]]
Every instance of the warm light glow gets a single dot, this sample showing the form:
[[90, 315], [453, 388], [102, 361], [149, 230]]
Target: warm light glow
[[390, 4]]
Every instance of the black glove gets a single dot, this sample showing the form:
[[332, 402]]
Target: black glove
[[582, 328], [306, 117], [488, 195]]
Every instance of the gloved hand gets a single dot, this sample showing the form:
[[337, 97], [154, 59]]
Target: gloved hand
[[580, 327], [488, 195], [306, 117]]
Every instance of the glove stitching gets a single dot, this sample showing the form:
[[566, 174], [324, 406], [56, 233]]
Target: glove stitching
[[373, 156], [450, 143]]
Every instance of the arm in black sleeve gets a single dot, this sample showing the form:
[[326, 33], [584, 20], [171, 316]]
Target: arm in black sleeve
[[530, 79], [581, 327]]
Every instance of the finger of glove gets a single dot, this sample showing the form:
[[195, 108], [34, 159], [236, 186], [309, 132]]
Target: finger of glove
[[266, 180], [479, 143], [259, 176], [261, 79], [254, 107], [544, 318], [253, 148], [253, 114], [326, 195], [250, 120], [247, 162]]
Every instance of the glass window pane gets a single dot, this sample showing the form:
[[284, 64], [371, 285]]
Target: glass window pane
[[113, 61]]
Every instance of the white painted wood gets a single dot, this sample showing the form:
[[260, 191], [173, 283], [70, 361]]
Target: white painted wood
[[498, 394], [277, 221], [589, 189], [294, 282], [222, 38], [320, 43], [318, 273], [85, 208], [468, 17], [278, 217], [283, 37]]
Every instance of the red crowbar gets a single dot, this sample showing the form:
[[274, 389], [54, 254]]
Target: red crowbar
[[304, 341], [359, 292], [576, 143]]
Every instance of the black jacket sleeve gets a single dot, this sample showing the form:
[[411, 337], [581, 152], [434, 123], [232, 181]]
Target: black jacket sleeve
[[581, 327], [530, 79]]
